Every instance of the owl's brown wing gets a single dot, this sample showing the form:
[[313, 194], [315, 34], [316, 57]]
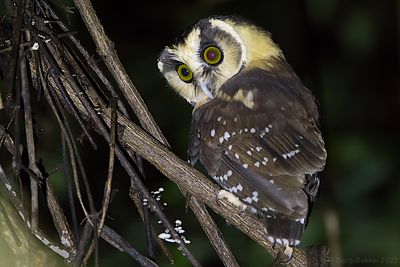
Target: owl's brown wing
[[261, 142]]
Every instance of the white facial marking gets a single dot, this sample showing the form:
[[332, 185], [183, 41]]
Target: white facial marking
[[229, 29], [160, 66]]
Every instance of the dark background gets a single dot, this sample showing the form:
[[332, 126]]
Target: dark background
[[346, 52]]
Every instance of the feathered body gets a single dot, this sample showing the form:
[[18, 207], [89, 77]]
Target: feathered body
[[254, 126]]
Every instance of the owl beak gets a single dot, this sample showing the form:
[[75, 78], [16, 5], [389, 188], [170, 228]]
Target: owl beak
[[206, 89]]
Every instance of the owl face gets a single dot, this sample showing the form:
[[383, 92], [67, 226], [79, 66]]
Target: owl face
[[212, 52]]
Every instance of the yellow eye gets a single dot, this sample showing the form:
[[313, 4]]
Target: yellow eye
[[184, 73], [212, 55]]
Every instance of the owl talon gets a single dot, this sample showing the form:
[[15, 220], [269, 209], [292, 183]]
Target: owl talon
[[284, 256], [231, 198]]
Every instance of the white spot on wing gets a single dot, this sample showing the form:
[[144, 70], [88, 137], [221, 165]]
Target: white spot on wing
[[8, 186], [248, 200], [212, 132], [227, 135], [257, 164], [290, 154], [245, 166], [252, 130]]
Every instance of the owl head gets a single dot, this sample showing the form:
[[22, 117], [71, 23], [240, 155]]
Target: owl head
[[211, 52]]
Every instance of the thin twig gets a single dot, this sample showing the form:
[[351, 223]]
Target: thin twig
[[117, 241], [214, 235], [138, 201], [30, 144], [68, 181], [107, 187]]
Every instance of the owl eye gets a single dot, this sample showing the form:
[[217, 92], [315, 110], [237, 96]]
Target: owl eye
[[212, 55], [184, 73]]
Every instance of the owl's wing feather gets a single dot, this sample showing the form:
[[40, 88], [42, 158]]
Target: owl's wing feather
[[263, 147]]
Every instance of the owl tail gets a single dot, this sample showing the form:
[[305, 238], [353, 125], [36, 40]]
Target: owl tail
[[282, 230]]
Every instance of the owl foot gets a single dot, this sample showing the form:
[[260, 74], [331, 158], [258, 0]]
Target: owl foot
[[231, 198], [284, 256]]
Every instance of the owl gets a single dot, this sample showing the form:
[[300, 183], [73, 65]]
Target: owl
[[254, 124]]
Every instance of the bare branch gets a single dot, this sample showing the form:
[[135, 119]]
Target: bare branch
[[107, 187]]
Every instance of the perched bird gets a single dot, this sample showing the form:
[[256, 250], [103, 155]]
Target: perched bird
[[254, 124]]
